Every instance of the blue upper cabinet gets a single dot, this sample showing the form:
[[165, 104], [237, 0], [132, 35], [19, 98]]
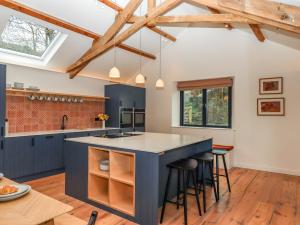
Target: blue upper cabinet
[[2, 113], [122, 96]]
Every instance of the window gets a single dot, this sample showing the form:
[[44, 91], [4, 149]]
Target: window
[[25, 37], [206, 107]]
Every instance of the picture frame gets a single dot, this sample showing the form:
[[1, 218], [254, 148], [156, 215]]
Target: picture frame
[[272, 85], [271, 106]]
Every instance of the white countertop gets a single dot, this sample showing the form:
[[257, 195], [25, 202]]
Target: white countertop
[[35, 133], [147, 142]]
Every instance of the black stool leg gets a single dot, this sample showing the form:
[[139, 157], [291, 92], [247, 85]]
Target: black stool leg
[[178, 189], [213, 181], [203, 185], [226, 173], [166, 195], [218, 175], [196, 192], [184, 198]]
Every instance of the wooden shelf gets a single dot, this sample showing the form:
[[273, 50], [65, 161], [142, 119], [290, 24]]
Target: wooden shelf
[[123, 167], [99, 173], [23, 93], [122, 197], [114, 188], [125, 177], [98, 189]]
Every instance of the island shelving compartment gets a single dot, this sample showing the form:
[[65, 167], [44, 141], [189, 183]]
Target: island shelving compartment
[[114, 188]]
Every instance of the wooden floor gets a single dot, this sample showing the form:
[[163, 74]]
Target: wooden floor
[[257, 198]]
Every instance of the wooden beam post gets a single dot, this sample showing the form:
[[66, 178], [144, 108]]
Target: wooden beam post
[[257, 31], [131, 20], [215, 11]]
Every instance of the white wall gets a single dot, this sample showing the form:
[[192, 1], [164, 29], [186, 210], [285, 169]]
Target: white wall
[[54, 81], [266, 143]]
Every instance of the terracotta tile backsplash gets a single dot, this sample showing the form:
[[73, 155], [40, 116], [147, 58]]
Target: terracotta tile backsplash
[[25, 115]]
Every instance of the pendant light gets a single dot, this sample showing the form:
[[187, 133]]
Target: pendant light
[[114, 72], [160, 84], [140, 79]]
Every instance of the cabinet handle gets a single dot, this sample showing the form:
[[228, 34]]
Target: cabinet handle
[[32, 142], [2, 144], [49, 137]]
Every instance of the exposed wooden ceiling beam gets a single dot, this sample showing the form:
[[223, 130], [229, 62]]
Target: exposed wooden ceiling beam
[[97, 51], [119, 23], [198, 19], [264, 12], [257, 31], [131, 20], [215, 11], [66, 25], [151, 4]]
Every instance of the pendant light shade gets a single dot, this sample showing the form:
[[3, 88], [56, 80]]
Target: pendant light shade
[[140, 79], [160, 83], [114, 73]]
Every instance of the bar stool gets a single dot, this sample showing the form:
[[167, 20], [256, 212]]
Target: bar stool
[[206, 159], [185, 168], [221, 151]]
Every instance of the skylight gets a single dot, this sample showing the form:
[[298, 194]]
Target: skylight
[[26, 37]]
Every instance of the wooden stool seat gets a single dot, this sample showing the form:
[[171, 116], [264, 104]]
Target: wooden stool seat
[[223, 147]]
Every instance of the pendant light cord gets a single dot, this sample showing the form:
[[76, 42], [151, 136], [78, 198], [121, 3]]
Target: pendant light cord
[[140, 42], [160, 61]]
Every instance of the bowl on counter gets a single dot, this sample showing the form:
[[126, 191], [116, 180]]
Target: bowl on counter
[[104, 165]]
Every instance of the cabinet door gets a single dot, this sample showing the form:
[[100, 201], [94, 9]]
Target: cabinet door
[[139, 98], [49, 153], [2, 113], [19, 157]]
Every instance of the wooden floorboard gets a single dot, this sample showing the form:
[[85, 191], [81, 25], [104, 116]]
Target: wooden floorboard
[[257, 198]]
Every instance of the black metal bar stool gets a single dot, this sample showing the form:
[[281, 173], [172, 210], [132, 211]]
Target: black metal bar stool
[[186, 168], [204, 160], [221, 151]]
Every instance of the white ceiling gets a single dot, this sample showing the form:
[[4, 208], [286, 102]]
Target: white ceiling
[[96, 17]]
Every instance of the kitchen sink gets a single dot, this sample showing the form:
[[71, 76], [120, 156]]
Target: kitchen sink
[[119, 135]]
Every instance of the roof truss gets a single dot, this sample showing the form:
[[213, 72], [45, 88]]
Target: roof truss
[[66, 25]]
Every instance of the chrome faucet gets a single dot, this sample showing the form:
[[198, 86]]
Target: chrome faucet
[[64, 118]]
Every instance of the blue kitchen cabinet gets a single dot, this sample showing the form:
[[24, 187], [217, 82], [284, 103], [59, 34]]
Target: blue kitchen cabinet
[[19, 157], [49, 154], [123, 96], [2, 113]]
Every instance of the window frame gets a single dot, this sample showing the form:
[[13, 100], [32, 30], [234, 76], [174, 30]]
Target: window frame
[[204, 110]]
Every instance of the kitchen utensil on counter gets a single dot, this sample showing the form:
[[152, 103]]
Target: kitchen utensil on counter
[[104, 165], [18, 85]]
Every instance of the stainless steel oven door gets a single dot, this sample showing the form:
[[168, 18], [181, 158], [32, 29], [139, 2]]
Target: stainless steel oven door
[[126, 117], [139, 118]]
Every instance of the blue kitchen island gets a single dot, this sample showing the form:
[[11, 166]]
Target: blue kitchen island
[[133, 187]]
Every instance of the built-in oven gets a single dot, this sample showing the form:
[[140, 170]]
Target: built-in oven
[[139, 118], [126, 117]]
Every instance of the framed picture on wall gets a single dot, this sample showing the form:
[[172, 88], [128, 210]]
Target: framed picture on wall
[[272, 85], [271, 106]]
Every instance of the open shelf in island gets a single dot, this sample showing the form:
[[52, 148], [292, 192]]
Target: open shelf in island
[[114, 188]]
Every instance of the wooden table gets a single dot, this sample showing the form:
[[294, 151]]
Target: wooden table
[[32, 209]]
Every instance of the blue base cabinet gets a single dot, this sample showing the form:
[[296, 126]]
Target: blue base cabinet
[[19, 157], [2, 113], [48, 154]]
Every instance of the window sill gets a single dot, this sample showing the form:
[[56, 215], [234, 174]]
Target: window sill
[[210, 128]]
